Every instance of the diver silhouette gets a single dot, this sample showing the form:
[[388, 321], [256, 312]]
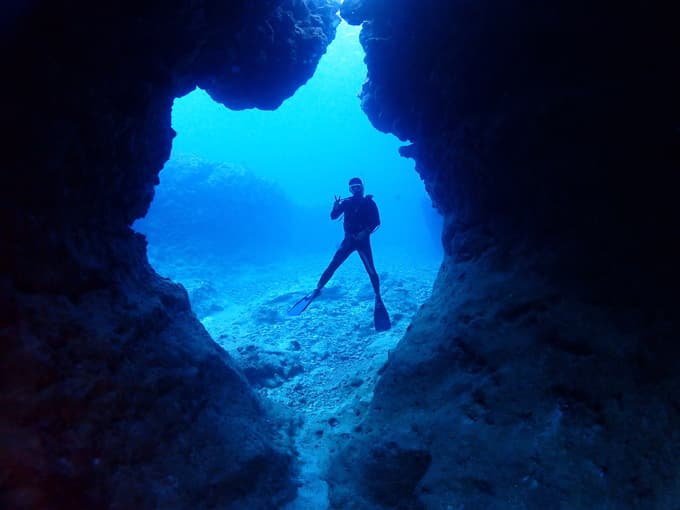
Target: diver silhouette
[[360, 221]]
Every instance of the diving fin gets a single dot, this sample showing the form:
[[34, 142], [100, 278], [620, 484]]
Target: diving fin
[[381, 318], [301, 305]]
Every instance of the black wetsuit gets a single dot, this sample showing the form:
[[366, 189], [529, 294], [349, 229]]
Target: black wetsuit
[[361, 218]]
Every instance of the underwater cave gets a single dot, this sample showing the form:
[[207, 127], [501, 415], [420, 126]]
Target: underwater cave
[[540, 370], [248, 239]]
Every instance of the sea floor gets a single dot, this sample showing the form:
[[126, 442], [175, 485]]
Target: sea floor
[[318, 369]]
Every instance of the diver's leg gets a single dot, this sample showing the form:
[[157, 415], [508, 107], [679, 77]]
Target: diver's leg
[[340, 256], [366, 254]]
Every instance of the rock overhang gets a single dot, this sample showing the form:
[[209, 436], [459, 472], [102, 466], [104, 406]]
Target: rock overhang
[[91, 109]]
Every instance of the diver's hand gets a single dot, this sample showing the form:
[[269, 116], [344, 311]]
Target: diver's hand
[[337, 200]]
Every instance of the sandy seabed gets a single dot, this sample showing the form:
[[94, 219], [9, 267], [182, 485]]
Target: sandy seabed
[[318, 369]]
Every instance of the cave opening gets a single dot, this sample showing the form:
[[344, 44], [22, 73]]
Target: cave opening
[[542, 371], [241, 219]]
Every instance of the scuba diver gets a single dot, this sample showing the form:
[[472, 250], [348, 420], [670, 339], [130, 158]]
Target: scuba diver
[[360, 221]]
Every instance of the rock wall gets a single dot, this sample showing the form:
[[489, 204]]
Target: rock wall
[[112, 393], [543, 371]]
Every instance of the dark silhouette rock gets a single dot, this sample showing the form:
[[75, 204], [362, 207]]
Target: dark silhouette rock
[[543, 373], [112, 393], [388, 474], [539, 374]]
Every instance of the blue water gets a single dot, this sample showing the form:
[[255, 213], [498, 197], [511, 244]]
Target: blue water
[[280, 171]]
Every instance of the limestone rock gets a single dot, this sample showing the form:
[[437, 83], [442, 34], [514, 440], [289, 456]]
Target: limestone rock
[[112, 393], [116, 397], [267, 368], [543, 371]]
